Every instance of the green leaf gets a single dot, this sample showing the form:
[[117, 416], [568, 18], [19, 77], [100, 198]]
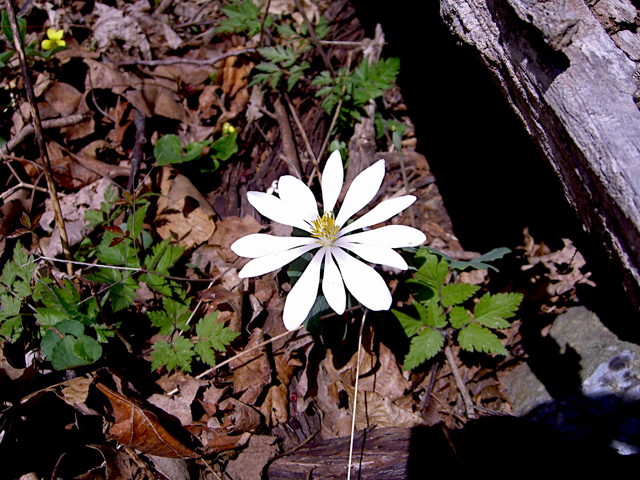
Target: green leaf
[[225, 146], [177, 355], [6, 27], [72, 349], [243, 16], [10, 319], [5, 58], [475, 337], [434, 315], [168, 150], [492, 310], [122, 286], [212, 336], [423, 347], [279, 54], [410, 325], [94, 217], [433, 271], [453, 294], [479, 263], [459, 317], [176, 313]]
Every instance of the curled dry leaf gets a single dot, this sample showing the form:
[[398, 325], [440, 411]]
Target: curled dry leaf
[[139, 428], [190, 226], [239, 417], [252, 372]]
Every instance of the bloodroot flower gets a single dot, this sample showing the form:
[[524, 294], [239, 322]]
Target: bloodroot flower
[[332, 237]]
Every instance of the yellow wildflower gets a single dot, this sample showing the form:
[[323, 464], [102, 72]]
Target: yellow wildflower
[[227, 128], [54, 40]]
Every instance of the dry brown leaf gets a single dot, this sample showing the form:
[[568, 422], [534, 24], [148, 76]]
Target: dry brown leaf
[[102, 75], [73, 207], [139, 428], [239, 417], [153, 100], [216, 442], [211, 397], [275, 407], [253, 458], [384, 378], [251, 372], [336, 421], [63, 98], [188, 227], [113, 24], [374, 409]]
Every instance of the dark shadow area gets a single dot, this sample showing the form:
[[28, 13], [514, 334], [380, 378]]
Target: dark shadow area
[[491, 177]]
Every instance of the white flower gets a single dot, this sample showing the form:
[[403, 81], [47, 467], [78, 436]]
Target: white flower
[[297, 207]]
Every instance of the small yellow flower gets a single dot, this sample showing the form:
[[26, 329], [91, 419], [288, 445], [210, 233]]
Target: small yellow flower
[[227, 128], [54, 40]]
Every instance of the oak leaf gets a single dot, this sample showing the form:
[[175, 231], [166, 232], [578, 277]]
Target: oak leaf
[[139, 428]]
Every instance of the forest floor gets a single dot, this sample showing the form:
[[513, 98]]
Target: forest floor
[[136, 349]]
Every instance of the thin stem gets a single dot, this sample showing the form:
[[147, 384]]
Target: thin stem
[[355, 396], [304, 137], [468, 403], [35, 114]]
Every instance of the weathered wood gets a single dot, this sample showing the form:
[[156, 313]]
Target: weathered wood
[[573, 89], [384, 454]]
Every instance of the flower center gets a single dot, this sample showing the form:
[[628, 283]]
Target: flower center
[[325, 229]]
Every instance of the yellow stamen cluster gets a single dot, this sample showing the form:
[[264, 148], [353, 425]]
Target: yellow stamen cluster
[[325, 229]]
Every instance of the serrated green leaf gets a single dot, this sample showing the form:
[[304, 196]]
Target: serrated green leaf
[[454, 294], [478, 338], [176, 313], [178, 355], [434, 315], [410, 325], [492, 310], [215, 334], [433, 271], [122, 286], [423, 346], [458, 317]]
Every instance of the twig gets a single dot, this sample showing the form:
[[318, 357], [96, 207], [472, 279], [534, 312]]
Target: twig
[[264, 19], [335, 115], [468, 403], [304, 137], [46, 124], [412, 215], [162, 7], [241, 354], [174, 61], [355, 396], [35, 114], [316, 40], [288, 144], [136, 156]]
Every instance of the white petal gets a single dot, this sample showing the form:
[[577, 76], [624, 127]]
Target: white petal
[[381, 212], [362, 190], [333, 286], [298, 197], [363, 281], [259, 244], [303, 294], [275, 209], [392, 236], [332, 178], [374, 254], [273, 261]]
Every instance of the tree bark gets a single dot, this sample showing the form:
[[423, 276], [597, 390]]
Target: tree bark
[[573, 89]]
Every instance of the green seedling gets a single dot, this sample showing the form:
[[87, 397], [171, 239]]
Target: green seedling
[[168, 149], [440, 308]]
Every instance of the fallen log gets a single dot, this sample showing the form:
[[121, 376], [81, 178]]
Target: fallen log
[[573, 89]]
